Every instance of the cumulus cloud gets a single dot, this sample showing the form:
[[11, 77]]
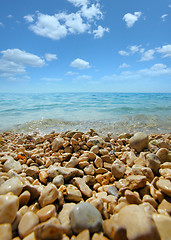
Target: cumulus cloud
[[130, 19], [148, 55], [163, 17], [80, 64], [124, 65], [14, 62], [29, 18], [49, 57], [99, 32], [123, 53], [165, 50], [61, 24]]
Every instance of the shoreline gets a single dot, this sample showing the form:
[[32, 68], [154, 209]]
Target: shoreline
[[48, 178]]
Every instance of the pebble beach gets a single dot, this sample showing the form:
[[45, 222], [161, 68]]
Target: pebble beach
[[76, 185]]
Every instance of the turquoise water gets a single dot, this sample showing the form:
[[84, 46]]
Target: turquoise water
[[105, 112]]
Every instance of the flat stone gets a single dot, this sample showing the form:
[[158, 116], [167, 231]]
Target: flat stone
[[164, 207], [67, 173], [113, 191], [13, 185], [118, 169], [49, 230], [73, 193], [138, 223], [85, 216], [12, 164], [153, 162], [164, 155], [82, 186], [165, 186], [139, 141], [24, 198], [163, 224], [166, 173], [89, 170], [58, 180], [96, 140], [57, 144], [28, 221], [6, 231], [132, 197], [136, 181], [48, 195], [46, 212]]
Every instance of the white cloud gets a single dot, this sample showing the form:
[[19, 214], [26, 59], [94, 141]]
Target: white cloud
[[10, 16], [48, 79], [163, 17], [156, 70], [70, 73], [124, 65], [29, 18], [99, 32], [79, 3], [91, 12], [165, 50], [130, 19], [148, 55], [124, 53], [80, 64], [22, 57], [83, 77], [49, 57], [1, 24], [14, 62], [169, 6], [134, 49]]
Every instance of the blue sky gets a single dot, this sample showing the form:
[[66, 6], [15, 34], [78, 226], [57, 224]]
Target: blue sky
[[85, 45]]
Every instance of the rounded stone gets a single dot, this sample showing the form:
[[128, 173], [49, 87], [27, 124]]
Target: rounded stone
[[139, 141], [118, 169], [58, 180], [6, 231], [85, 216], [13, 185], [164, 155], [28, 221], [153, 162], [48, 195], [12, 164], [9, 205], [165, 186], [46, 212]]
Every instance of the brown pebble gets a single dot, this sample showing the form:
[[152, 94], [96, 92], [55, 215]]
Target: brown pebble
[[46, 212]]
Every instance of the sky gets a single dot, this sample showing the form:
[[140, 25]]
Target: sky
[[85, 46]]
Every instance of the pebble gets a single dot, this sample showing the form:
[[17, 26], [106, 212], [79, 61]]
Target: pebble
[[113, 191], [43, 176], [46, 212], [73, 194], [82, 186], [85, 216], [153, 162], [58, 180], [48, 195], [57, 144], [164, 207], [13, 185], [165, 186], [85, 234], [163, 224], [140, 224], [164, 155], [5, 231], [9, 205], [12, 164], [28, 221], [139, 141], [136, 181], [24, 198], [118, 169], [132, 197]]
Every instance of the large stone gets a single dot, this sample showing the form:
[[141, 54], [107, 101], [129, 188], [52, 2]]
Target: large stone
[[73, 194], [138, 223], [164, 207], [13, 185], [114, 231], [12, 164], [28, 221], [48, 195], [153, 162], [164, 155], [165, 186], [5, 231], [118, 169], [85, 216], [163, 224], [9, 205], [139, 141], [57, 143]]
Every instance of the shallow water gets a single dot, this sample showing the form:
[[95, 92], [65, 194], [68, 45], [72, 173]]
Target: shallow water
[[105, 112]]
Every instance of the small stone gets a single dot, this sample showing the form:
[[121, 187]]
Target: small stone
[[132, 197], [139, 225], [118, 169], [28, 221], [13, 184], [136, 181], [31, 171], [49, 230], [43, 176], [95, 149], [85, 234], [153, 162], [113, 191], [57, 144], [48, 195], [166, 173], [99, 236], [30, 236], [73, 194], [139, 141], [12, 164], [46, 212], [24, 198], [82, 186], [164, 207], [164, 155], [165, 186], [98, 162], [72, 162], [89, 170], [96, 140], [58, 180], [6, 231], [163, 224], [149, 199], [85, 216]]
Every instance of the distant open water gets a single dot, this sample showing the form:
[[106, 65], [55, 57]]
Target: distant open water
[[104, 112]]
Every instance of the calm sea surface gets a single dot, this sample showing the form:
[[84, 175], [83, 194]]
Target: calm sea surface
[[104, 112]]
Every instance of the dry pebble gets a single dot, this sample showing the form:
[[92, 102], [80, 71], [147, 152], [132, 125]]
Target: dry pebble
[[75, 185]]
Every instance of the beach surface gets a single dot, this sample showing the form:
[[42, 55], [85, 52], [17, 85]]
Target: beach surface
[[85, 185]]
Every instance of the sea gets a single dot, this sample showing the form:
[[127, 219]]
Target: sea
[[103, 112]]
